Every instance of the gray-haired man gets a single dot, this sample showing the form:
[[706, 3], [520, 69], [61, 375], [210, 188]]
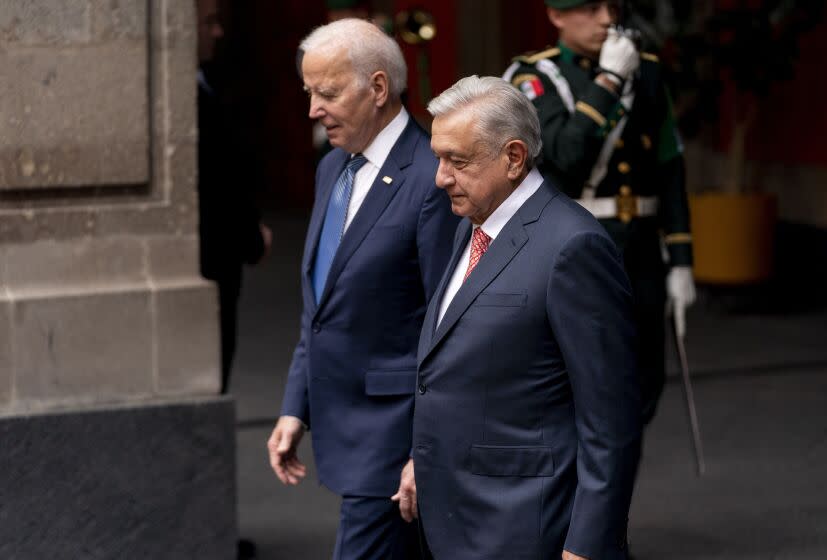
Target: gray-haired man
[[527, 419], [374, 253]]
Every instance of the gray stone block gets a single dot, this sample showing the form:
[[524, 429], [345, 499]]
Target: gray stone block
[[120, 18], [32, 22], [141, 482], [173, 258], [82, 263], [88, 347], [75, 117], [106, 203], [6, 361], [188, 339]]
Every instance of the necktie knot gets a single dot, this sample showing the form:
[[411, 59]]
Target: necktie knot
[[356, 163], [479, 245]]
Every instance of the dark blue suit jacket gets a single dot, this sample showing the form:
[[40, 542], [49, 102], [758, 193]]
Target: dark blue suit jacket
[[527, 424], [353, 373]]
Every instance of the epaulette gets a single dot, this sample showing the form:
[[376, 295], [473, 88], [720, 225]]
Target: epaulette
[[649, 56], [531, 58]]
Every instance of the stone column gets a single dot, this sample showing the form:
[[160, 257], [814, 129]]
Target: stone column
[[113, 443]]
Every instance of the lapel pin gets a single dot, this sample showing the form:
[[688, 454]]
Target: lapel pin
[[387, 180]]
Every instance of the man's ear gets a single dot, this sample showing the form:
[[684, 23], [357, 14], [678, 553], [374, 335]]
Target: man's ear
[[517, 153], [554, 17], [380, 87]]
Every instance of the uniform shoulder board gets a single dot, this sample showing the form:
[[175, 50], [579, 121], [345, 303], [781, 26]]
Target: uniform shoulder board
[[650, 57], [532, 58]]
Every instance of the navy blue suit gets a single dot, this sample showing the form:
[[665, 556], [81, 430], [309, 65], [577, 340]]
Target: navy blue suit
[[527, 419], [353, 373]]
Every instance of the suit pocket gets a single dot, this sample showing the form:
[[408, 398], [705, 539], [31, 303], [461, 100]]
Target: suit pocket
[[390, 382], [506, 460], [494, 299]]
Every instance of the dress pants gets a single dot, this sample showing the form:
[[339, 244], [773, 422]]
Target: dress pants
[[372, 529]]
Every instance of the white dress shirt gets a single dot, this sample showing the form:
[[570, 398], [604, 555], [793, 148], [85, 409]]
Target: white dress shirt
[[376, 154], [491, 226]]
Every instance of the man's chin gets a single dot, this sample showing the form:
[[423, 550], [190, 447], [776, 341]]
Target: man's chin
[[338, 142], [459, 209]]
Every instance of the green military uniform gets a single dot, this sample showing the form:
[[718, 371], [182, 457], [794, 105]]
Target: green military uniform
[[644, 174]]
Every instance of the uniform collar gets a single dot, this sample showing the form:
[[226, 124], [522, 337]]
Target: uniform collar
[[570, 57]]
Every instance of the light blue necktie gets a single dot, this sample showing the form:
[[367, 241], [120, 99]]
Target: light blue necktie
[[334, 223]]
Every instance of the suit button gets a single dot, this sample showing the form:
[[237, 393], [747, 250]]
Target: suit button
[[317, 327], [422, 388]]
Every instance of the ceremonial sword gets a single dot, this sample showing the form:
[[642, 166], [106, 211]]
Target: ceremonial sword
[[689, 396]]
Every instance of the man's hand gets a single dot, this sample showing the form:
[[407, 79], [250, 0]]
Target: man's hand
[[680, 293], [406, 495], [619, 55], [282, 447], [267, 240], [569, 556]]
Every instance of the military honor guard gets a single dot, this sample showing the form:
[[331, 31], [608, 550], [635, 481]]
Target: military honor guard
[[610, 141]]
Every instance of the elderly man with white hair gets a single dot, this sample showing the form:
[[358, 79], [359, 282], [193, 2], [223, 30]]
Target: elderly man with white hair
[[374, 253], [527, 419]]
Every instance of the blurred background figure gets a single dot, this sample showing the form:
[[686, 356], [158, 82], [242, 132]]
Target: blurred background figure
[[231, 233], [230, 228]]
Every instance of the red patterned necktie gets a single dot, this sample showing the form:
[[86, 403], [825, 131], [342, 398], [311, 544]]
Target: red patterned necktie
[[479, 245]]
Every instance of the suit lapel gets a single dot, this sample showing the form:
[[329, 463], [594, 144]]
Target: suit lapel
[[508, 243], [429, 324], [377, 199]]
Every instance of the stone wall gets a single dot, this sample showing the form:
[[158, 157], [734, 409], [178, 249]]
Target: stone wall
[[115, 444], [100, 298]]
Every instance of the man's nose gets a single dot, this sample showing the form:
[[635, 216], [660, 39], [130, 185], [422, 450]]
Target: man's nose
[[607, 14], [217, 31], [315, 111], [443, 177]]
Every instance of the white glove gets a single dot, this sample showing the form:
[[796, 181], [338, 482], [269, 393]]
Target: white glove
[[619, 55], [680, 294]]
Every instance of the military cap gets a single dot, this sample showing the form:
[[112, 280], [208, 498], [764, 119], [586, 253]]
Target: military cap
[[344, 4], [566, 4]]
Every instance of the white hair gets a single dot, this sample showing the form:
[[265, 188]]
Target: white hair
[[502, 113], [368, 47]]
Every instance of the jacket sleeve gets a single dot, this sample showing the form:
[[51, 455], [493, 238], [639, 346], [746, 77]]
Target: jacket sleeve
[[589, 306], [674, 205], [572, 141], [295, 402]]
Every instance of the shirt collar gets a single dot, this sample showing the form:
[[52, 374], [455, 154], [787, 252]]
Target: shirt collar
[[505, 211], [377, 152]]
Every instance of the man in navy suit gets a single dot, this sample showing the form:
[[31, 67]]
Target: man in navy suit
[[527, 424], [375, 251]]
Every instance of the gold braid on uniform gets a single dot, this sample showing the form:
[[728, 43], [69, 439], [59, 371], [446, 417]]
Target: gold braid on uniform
[[590, 112], [533, 58], [674, 238]]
